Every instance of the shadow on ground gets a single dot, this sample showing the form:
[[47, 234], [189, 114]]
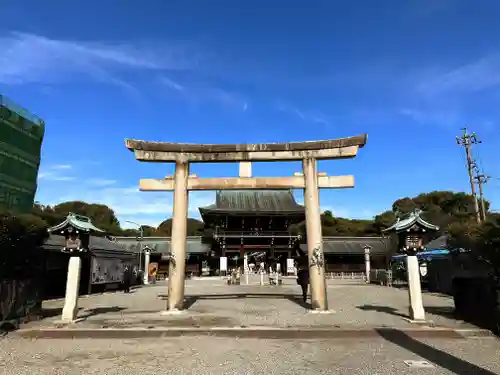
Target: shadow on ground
[[53, 312], [101, 310], [447, 361], [189, 301], [382, 309], [444, 311]]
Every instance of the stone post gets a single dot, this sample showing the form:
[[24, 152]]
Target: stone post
[[177, 264], [417, 312], [245, 267], [70, 310], [147, 255], [245, 169], [314, 237], [367, 263]]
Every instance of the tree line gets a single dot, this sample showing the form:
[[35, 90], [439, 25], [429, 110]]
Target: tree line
[[446, 209], [453, 212]]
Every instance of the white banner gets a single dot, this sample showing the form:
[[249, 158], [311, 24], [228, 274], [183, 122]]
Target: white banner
[[290, 266], [223, 263]]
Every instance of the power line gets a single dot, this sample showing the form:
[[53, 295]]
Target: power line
[[467, 140]]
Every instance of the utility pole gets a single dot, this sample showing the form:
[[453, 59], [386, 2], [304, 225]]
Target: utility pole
[[467, 140], [481, 180]]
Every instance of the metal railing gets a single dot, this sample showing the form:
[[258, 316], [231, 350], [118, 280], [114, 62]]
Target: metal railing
[[261, 233], [381, 276], [345, 275]]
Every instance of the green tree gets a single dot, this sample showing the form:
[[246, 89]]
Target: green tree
[[483, 240], [101, 215], [194, 228], [383, 221]]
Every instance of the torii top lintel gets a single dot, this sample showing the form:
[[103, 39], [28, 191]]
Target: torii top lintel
[[209, 153]]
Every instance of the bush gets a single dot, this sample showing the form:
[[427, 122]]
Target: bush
[[20, 239]]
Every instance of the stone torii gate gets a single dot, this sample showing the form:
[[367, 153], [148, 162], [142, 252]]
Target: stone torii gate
[[183, 154]]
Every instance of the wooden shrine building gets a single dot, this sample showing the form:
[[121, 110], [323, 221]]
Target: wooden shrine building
[[255, 222], [258, 223]]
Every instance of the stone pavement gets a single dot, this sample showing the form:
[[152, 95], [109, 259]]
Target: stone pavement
[[212, 304], [209, 355]]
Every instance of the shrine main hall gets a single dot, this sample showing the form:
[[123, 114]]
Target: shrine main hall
[[262, 224]]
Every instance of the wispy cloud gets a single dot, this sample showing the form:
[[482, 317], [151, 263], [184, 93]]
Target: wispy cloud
[[426, 8], [63, 178], [472, 77], [447, 119], [171, 84], [29, 58], [314, 117], [57, 172], [100, 182], [61, 166], [200, 93]]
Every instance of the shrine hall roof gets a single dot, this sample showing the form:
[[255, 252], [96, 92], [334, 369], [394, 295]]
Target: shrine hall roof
[[80, 222], [354, 245], [252, 201], [412, 219]]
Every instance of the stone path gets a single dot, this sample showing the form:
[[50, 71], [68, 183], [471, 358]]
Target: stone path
[[214, 304]]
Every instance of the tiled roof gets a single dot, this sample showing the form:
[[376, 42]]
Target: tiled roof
[[78, 221], [354, 245], [162, 245], [254, 201], [412, 219], [438, 243]]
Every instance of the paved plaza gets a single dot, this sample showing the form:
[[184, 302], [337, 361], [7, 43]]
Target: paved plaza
[[214, 305]]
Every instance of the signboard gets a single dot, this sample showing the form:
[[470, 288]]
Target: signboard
[[223, 263], [106, 270], [423, 269], [290, 266], [153, 269]]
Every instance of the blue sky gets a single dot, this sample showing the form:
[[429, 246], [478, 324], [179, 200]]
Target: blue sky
[[410, 74]]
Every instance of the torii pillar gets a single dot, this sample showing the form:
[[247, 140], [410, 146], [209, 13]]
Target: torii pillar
[[315, 255], [177, 264]]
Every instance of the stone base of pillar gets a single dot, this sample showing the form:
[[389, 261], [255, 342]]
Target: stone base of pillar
[[321, 311], [420, 322], [172, 312], [66, 322]]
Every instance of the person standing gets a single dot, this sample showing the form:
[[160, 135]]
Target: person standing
[[302, 267], [303, 276], [126, 279]]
